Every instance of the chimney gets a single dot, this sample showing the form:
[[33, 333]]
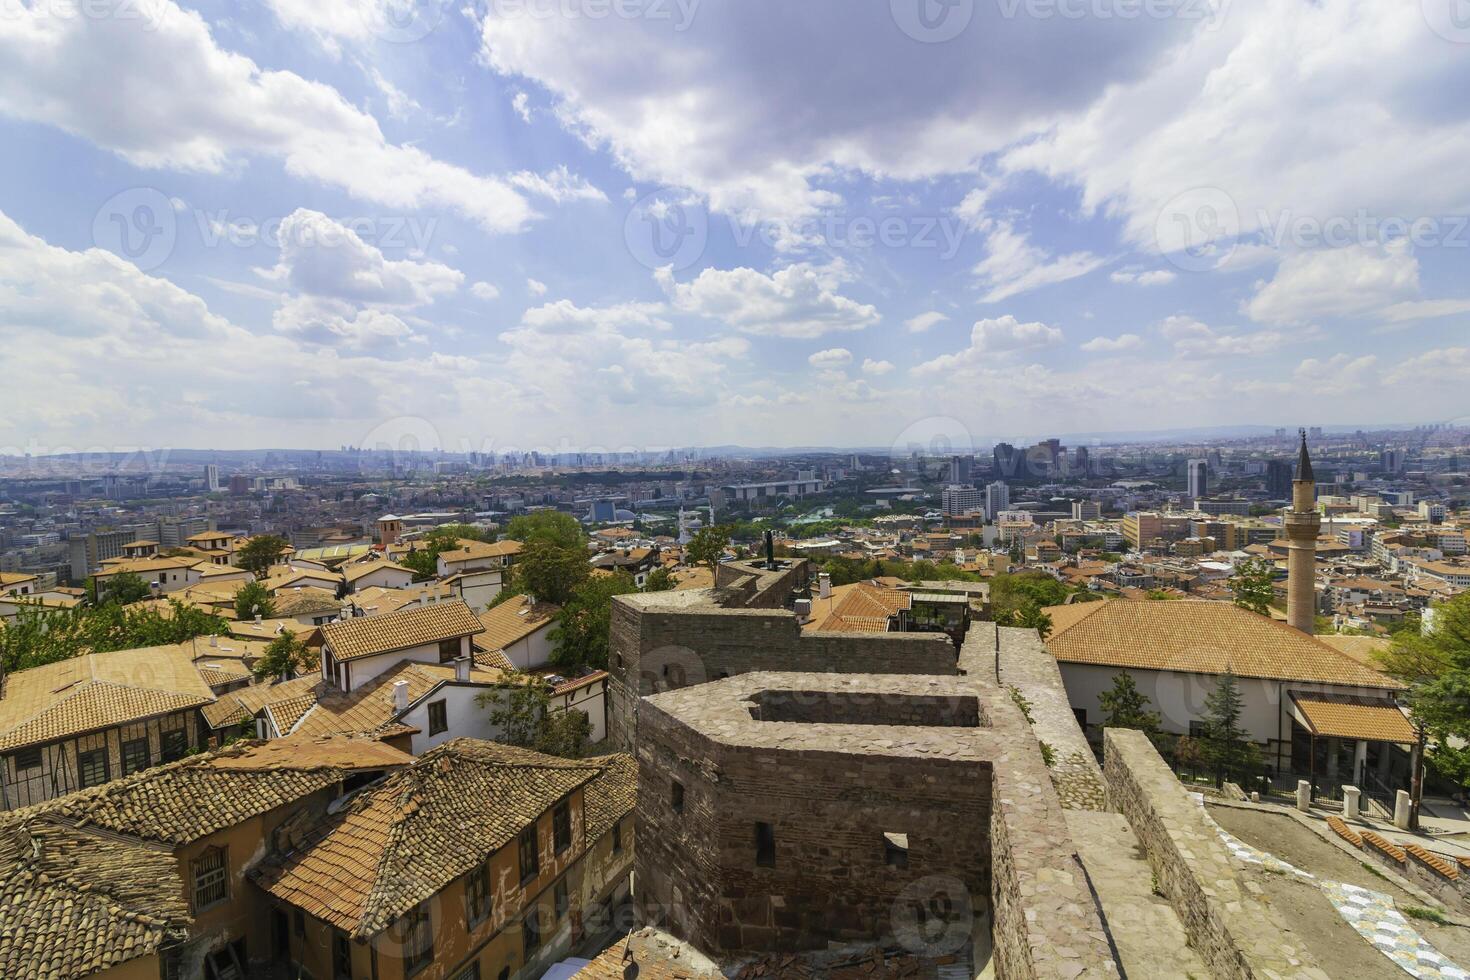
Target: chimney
[[257, 618], [213, 640], [462, 668], [824, 586], [400, 695]]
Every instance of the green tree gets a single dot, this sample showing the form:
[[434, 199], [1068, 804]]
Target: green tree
[[1227, 746], [580, 637], [549, 571], [521, 709], [1125, 706], [252, 599], [1435, 666], [1252, 585], [260, 553], [707, 545], [38, 636], [124, 588], [1032, 617], [283, 657], [1010, 593], [659, 580], [550, 526]]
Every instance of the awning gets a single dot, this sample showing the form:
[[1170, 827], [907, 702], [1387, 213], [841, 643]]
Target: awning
[[1351, 716]]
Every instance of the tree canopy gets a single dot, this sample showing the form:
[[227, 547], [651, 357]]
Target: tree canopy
[[581, 635], [41, 636], [1125, 706], [707, 545], [521, 710], [1252, 585], [283, 658], [260, 553], [550, 526], [253, 599]]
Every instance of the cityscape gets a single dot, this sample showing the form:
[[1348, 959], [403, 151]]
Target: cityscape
[[734, 490]]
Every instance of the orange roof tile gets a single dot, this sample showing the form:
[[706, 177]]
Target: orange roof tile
[[366, 636]]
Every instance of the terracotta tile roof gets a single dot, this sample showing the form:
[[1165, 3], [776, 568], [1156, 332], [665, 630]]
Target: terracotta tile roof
[[401, 842], [304, 601], [472, 550], [219, 671], [514, 619], [611, 796], [357, 570], [366, 636], [183, 801], [1198, 636], [865, 608], [370, 707], [1361, 648], [637, 956], [493, 660], [234, 707], [98, 690], [1346, 716], [375, 600], [74, 904]]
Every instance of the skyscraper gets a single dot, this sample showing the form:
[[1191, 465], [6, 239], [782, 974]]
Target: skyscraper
[[960, 470], [1198, 478], [997, 499], [1302, 523], [1278, 479], [211, 478]]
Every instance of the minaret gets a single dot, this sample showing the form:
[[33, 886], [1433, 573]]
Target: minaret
[[1302, 525]]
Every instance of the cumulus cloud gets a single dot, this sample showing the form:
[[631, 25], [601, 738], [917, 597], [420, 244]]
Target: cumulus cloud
[[1350, 281], [876, 369], [800, 300], [1101, 345], [1191, 338], [833, 357], [1144, 277], [991, 339], [565, 317], [484, 290], [209, 110], [535, 287]]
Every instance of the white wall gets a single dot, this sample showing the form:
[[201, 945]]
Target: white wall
[[591, 701], [532, 651], [467, 718], [365, 669], [479, 589], [387, 578]]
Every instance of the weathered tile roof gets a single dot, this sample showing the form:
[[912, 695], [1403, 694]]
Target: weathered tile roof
[[185, 800], [1349, 716], [1198, 636], [72, 905], [234, 707], [469, 549], [365, 636], [611, 796], [96, 691], [402, 841], [357, 570], [368, 708], [863, 608], [305, 600], [514, 619]]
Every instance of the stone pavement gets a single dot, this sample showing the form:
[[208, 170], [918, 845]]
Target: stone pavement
[[1147, 933], [1024, 663]]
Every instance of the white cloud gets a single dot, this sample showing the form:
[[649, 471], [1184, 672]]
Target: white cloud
[[922, 322], [1154, 151], [876, 369], [332, 323], [685, 104], [522, 105], [1448, 366], [1127, 341], [1013, 265], [400, 104], [1335, 282], [833, 357], [565, 317], [1141, 277], [161, 93], [535, 287], [1191, 338], [992, 339], [797, 301], [559, 185], [1337, 375], [484, 290], [322, 257], [1426, 309]]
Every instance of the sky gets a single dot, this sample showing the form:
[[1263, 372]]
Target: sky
[[486, 225]]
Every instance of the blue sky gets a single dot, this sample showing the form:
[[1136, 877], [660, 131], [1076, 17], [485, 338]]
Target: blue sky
[[593, 224]]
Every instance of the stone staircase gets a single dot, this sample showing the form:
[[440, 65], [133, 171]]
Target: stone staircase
[[1146, 933]]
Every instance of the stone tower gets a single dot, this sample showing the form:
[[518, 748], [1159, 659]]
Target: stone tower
[[1302, 524]]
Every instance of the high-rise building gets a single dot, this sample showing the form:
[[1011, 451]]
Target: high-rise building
[[1302, 523], [1008, 463], [961, 469], [997, 499], [1278, 479], [958, 501], [211, 478], [1198, 478]]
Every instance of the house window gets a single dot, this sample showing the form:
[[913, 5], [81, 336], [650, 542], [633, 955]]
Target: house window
[[341, 956], [765, 845], [896, 850], [1081, 715], [676, 796], [530, 863], [418, 940], [448, 650], [211, 878], [28, 758], [478, 897], [471, 972], [135, 755], [92, 767], [617, 832], [560, 899], [561, 825], [531, 930], [174, 744], [438, 717]]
